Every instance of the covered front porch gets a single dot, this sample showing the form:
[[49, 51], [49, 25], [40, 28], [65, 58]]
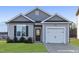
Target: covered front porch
[[37, 32]]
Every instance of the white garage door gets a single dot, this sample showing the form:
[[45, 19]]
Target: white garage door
[[55, 35]]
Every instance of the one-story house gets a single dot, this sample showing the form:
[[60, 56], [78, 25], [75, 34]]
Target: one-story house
[[41, 26], [77, 15]]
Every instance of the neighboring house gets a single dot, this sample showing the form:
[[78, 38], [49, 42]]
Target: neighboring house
[[3, 35], [41, 26], [77, 14]]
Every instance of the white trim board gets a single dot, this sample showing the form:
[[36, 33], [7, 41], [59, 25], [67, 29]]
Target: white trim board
[[56, 22], [23, 16], [28, 18]]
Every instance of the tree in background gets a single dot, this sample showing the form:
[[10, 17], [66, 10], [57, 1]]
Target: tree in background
[[73, 30]]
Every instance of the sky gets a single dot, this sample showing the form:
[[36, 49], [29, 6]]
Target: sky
[[8, 12]]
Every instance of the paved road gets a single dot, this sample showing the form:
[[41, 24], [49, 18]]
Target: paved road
[[61, 48]]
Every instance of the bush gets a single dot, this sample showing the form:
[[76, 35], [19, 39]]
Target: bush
[[15, 39], [25, 41], [22, 39], [9, 40], [73, 32], [29, 40]]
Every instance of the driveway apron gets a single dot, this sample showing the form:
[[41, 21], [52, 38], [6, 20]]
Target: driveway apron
[[61, 48]]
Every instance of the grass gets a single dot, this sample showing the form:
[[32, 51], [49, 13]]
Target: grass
[[21, 47], [74, 41], [26, 47]]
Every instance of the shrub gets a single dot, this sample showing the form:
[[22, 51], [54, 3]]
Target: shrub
[[22, 39], [73, 32], [15, 39], [25, 41], [9, 40], [29, 40]]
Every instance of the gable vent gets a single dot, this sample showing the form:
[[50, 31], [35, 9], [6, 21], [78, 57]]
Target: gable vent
[[36, 12]]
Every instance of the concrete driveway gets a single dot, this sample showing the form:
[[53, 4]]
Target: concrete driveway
[[61, 48]]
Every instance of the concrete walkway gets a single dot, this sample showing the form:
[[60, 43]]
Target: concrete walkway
[[61, 48]]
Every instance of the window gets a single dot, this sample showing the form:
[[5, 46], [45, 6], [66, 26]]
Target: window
[[18, 30], [24, 31], [21, 30]]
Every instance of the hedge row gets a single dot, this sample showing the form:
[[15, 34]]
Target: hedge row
[[21, 40]]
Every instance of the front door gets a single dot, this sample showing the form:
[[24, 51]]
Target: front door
[[38, 34]]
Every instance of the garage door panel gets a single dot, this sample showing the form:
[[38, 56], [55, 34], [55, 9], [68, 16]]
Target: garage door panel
[[49, 35], [54, 35]]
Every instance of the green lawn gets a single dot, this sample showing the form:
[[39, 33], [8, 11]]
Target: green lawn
[[25, 47], [22, 47], [74, 41]]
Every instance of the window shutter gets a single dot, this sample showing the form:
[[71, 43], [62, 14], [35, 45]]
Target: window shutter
[[14, 31], [26, 30]]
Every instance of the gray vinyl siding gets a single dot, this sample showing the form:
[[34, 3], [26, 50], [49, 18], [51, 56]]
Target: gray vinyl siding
[[42, 16], [66, 25], [11, 30]]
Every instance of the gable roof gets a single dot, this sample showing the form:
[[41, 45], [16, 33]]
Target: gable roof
[[24, 20], [38, 18], [56, 18], [43, 16], [37, 9]]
